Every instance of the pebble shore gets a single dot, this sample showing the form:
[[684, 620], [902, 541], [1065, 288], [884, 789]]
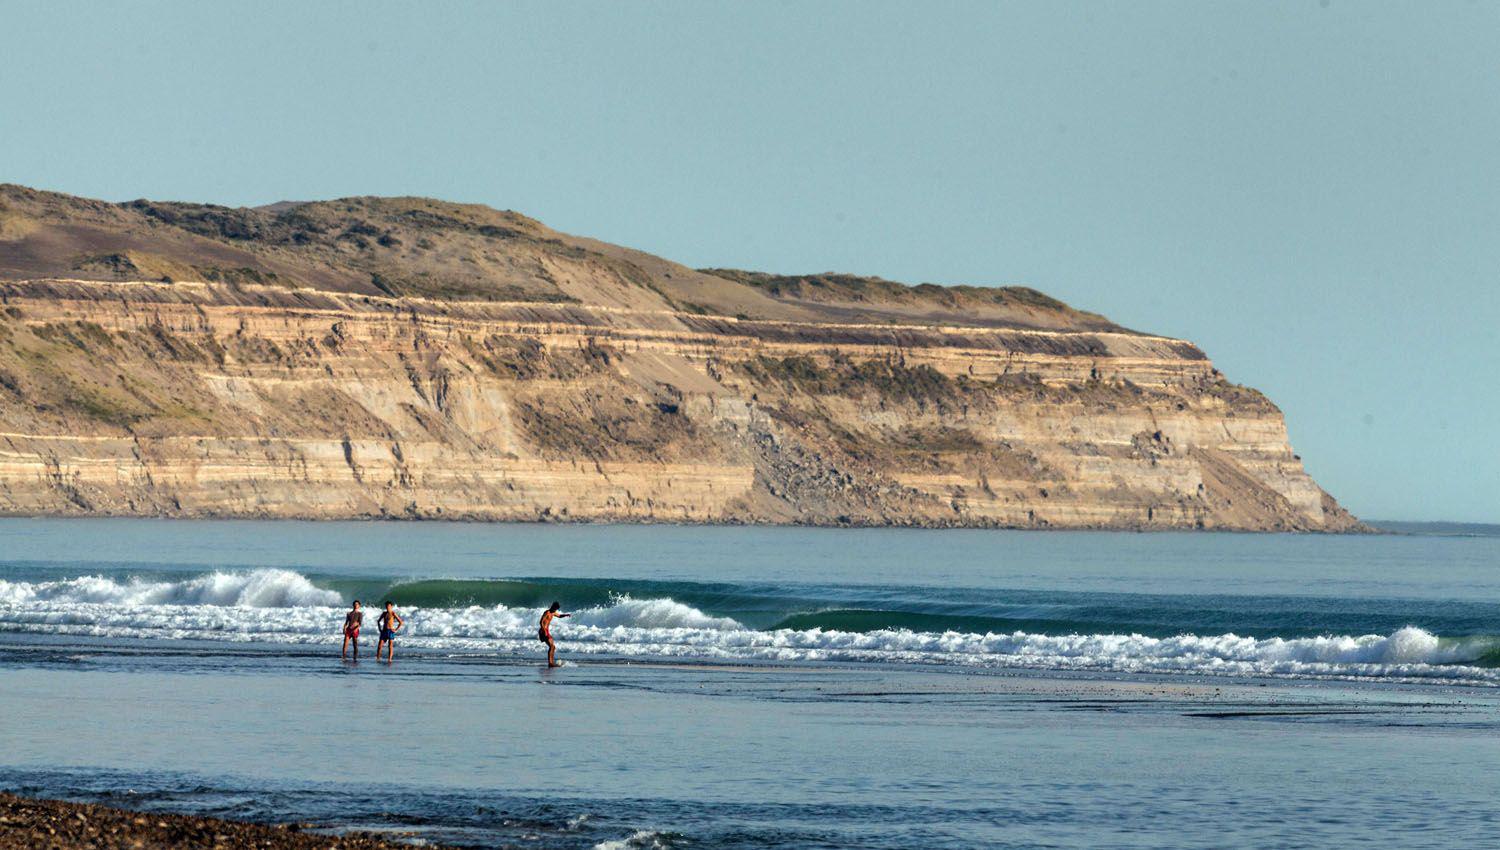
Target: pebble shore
[[27, 824]]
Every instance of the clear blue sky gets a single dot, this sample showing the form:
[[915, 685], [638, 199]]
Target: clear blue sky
[[1309, 190]]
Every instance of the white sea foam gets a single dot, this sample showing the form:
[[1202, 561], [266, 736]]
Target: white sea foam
[[653, 614], [221, 606], [255, 588], [642, 838]]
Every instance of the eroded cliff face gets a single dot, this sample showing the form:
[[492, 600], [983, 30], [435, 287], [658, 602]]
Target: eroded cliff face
[[248, 400]]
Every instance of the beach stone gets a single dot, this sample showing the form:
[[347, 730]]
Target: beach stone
[[30, 824]]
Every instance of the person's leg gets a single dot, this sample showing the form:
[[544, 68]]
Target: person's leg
[[551, 654], [344, 653], [390, 651]]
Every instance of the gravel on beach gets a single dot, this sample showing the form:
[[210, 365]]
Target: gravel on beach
[[26, 824]]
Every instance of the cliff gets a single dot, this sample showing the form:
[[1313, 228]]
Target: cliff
[[410, 358]]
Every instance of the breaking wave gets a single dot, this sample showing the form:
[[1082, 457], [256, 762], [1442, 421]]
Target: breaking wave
[[255, 589], [231, 606]]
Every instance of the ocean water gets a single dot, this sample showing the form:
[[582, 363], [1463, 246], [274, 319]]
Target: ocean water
[[762, 687]]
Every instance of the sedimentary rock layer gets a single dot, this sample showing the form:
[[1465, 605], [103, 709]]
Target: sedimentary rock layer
[[239, 399]]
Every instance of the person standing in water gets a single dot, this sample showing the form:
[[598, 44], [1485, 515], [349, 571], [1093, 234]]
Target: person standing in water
[[390, 623], [544, 632], [352, 621]]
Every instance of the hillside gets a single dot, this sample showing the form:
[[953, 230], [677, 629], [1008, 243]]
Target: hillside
[[406, 357], [417, 247]]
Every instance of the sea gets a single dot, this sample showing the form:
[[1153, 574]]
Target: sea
[[756, 687]]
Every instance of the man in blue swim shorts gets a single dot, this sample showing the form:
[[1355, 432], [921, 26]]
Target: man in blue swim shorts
[[390, 623]]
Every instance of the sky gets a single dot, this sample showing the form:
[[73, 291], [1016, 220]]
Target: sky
[[1308, 190]]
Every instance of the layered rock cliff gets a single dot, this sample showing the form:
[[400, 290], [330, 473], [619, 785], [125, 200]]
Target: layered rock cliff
[[408, 358]]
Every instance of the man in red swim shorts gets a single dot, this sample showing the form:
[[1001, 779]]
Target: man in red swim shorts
[[544, 632], [352, 621]]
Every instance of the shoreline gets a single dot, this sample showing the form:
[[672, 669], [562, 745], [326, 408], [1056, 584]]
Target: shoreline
[[27, 823], [1360, 529]]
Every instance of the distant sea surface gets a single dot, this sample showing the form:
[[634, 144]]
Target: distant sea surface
[[764, 687], [1449, 529]]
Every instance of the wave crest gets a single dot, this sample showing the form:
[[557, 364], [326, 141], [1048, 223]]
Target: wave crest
[[210, 607], [665, 613], [269, 588]]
